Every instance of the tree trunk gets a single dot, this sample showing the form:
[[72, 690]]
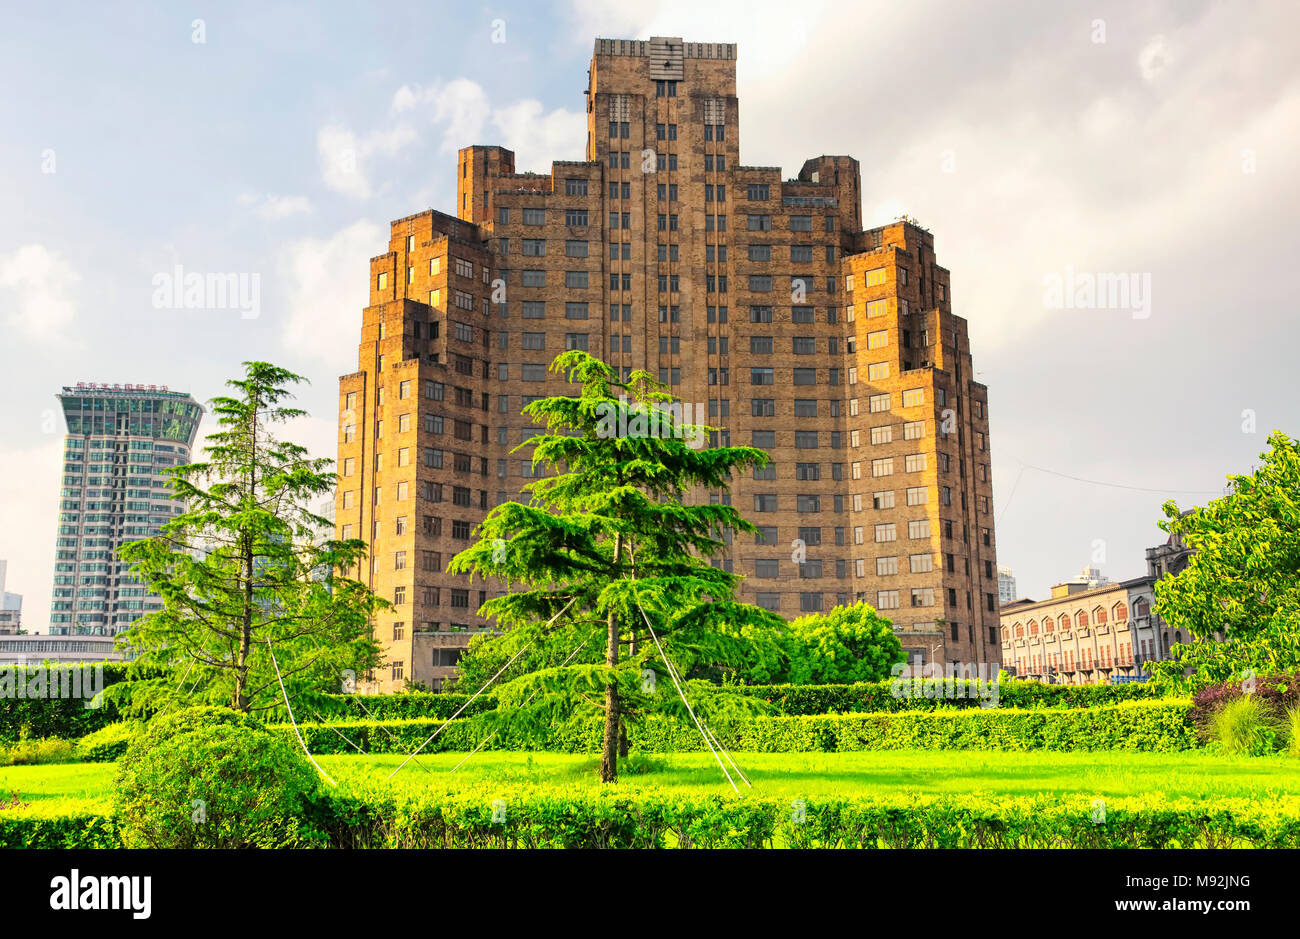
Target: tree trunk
[[623, 745], [610, 748]]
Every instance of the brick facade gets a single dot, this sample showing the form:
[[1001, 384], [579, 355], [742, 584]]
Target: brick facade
[[759, 299]]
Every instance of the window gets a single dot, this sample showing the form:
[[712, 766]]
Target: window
[[887, 531], [886, 599], [761, 376], [533, 372], [922, 596], [918, 528], [913, 397], [801, 223], [876, 308], [874, 277], [575, 187], [914, 463], [878, 403], [804, 376], [883, 466], [534, 248], [575, 217], [764, 502], [534, 216], [882, 434]]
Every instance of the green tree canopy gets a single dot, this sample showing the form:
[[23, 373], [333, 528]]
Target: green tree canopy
[[846, 645], [621, 527], [1243, 580], [245, 570]]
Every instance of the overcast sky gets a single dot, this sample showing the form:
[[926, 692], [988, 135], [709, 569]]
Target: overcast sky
[[1035, 140]]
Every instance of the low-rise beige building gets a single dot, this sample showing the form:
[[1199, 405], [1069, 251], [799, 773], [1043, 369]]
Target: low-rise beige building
[[1083, 635]]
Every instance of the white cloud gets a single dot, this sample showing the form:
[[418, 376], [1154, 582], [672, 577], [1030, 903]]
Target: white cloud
[[343, 155], [538, 137], [35, 283], [272, 207], [328, 287]]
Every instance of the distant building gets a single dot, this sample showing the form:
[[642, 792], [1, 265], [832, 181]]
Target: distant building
[[113, 490], [32, 650], [1083, 634], [11, 606], [1006, 585], [1164, 560]]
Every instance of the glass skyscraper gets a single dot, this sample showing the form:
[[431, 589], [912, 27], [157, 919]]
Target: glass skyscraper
[[120, 440]]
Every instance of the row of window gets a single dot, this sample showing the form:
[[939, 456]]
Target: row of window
[[1098, 616]]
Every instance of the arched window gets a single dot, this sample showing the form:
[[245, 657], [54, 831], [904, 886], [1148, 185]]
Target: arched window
[[1099, 616], [1020, 631], [1033, 627], [1049, 626], [1081, 618], [1064, 622], [1119, 612], [1006, 634], [1178, 635], [1141, 609]]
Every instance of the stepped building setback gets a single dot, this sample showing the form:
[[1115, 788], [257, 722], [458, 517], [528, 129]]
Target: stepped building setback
[[760, 300]]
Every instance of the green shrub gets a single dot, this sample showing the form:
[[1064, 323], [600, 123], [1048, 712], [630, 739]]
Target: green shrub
[[1246, 726], [607, 818], [1154, 726], [1291, 730], [59, 823], [208, 777], [30, 752], [40, 710], [108, 744]]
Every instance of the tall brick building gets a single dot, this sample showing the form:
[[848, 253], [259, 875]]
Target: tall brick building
[[760, 299]]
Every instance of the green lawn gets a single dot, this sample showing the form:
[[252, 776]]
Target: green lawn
[[1192, 775]]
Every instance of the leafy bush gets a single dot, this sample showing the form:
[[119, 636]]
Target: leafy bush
[[208, 777], [30, 752], [848, 644], [1277, 693], [108, 744], [1292, 731], [1247, 726]]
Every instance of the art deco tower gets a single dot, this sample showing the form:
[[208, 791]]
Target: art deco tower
[[760, 299]]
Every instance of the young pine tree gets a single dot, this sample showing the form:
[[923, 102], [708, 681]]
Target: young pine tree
[[611, 545], [244, 572]]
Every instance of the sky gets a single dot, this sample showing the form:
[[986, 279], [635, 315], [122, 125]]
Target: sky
[[1045, 145]]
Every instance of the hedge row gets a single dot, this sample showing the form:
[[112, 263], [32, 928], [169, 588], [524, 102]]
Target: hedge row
[[1153, 726], [69, 718], [610, 819], [604, 819], [919, 694], [36, 710]]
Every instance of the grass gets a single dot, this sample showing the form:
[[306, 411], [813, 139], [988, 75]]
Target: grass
[[1196, 775]]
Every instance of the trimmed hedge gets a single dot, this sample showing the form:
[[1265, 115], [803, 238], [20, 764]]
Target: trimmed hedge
[[46, 716], [60, 823], [1152, 726], [607, 818], [923, 694], [69, 718]]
